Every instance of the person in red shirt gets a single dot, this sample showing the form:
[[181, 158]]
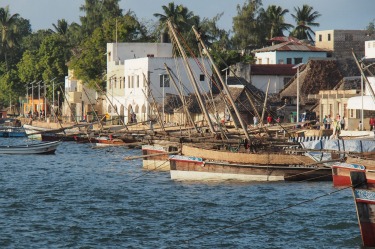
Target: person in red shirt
[[269, 120], [372, 123]]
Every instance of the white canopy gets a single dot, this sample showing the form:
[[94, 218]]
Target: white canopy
[[356, 103]]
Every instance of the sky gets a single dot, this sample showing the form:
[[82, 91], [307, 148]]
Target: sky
[[336, 14]]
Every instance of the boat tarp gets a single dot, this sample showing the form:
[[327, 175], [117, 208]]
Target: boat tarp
[[356, 103], [352, 145]]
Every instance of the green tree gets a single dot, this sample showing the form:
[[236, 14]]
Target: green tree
[[249, 31], [275, 21], [9, 31], [61, 27], [89, 64], [179, 15], [371, 27], [126, 28], [305, 19], [96, 12]]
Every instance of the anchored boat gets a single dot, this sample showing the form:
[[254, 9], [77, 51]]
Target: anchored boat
[[37, 148]]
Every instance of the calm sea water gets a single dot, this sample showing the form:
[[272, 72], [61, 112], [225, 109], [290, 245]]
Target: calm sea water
[[93, 198]]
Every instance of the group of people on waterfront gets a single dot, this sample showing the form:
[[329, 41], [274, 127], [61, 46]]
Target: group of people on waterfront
[[338, 123], [36, 114]]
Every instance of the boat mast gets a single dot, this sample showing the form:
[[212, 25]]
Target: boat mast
[[265, 103], [191, 76], [181, 97], [225, 87], [149, 93]]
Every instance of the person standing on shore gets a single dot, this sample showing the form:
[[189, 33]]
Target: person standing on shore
[[342, 122], [329, 121]]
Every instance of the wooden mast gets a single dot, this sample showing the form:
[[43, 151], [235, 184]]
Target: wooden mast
[[153, 99], [181, 97], [191, 76], [225, 87], [265, 103]]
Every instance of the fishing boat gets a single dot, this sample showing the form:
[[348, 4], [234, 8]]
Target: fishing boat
[[105, 141], [208, 164], [364, 198], [36, 148]]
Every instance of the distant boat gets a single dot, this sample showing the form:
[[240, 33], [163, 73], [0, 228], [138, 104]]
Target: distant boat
[[37, 148], [10, 131], [364, 198]]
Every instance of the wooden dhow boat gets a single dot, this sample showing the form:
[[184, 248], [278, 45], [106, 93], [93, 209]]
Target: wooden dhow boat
[[364, 198], [341, 171], [208, 164], [36, 148]]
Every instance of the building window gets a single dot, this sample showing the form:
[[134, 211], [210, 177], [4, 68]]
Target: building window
[[288, 60], [259, 60], [320, 38], [132, 81], [123, 82], [137, 81], [115, 82], [281, 61], [297, 61], [201, 77], [164, 80], [128, 81], [329, 37]]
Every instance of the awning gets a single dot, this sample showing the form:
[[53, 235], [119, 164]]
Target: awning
[[356, 103]]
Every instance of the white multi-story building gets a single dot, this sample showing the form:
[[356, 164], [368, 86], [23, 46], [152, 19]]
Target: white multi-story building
[[147, 81], [135, 76], [116, 54]]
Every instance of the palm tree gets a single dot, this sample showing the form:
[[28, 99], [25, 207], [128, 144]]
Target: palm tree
[[179, 15], [305, 18], [275, 21], [61, 27], [9, 30]]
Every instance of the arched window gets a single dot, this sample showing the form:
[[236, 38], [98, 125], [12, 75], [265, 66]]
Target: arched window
[[136, 109], [122, 110]]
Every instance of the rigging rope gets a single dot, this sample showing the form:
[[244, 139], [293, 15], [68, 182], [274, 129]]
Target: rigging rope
[[265, 215]]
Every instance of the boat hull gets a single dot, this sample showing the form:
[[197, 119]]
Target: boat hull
[[195, 168], [156, 157], [364, 198], [341, 173]]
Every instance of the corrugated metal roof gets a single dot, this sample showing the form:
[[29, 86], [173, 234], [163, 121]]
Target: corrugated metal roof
[[290, 46]]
